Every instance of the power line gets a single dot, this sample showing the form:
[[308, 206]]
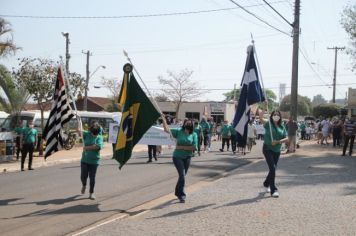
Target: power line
[[278, 13], [230, 89], [135, 16], [254, 15], [310, 65]]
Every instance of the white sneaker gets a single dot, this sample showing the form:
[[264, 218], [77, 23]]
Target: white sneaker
[[268, 190], [208, 149], [92, 196], [275, 194], [83, 189]]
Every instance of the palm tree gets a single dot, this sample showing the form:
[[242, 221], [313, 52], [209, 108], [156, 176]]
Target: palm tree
[[15, 96], [7, 45]]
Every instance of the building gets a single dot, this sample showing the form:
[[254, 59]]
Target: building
[[219, 111], [351, 102], [94, 104]]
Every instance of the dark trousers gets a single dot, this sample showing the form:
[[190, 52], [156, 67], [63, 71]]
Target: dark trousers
[[336, 137], [302, 133], [227, 141], [347, 138], [233, 139], [182, 166], [88, 169], [18, 147], [152, 152], [27, 148], [272, 160]]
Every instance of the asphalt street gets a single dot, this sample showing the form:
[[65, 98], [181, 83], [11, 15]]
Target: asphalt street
[[47, 201]]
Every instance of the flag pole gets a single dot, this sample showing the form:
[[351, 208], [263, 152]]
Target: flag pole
[[66, 78], [149, 93], [264, 90]]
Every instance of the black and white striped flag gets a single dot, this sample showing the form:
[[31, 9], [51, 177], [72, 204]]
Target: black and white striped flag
[[61, 113]]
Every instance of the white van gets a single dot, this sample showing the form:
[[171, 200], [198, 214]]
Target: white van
[[3, 116], [104, 119]]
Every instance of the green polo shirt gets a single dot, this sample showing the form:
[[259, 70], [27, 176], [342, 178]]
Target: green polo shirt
[[29, 135], [19, 130], [278, 133], [92, 156], [184, 139], [225, 131], [205, 127], [198, 130]]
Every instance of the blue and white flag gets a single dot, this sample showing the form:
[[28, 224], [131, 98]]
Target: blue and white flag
[[251, 93]]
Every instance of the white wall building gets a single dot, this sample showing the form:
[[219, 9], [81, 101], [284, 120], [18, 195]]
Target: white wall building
[[220, 111]]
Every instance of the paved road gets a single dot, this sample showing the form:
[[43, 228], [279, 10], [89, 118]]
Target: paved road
[[47, 201], [318, 197]]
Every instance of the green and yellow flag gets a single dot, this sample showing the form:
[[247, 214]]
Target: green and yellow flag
[[138, 115]]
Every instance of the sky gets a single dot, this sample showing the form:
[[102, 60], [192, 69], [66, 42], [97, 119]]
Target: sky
[[212, 44]]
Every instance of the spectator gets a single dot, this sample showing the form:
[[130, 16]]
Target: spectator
[[350, 130], [292, 128]]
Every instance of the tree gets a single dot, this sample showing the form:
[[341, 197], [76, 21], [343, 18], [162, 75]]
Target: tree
[[77, 83], [318, 99], [230, 95], [161, 98], [304, 105], [15, 96], [271, 97], [179, 87], [7, 45], [113, 85], [327, 110], [348, 21]]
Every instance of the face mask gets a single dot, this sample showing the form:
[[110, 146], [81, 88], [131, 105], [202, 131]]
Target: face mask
[[189, 127], [30, 126], [276, 118]]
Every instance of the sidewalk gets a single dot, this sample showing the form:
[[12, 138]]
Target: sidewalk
[[60, 157], [318, 197]]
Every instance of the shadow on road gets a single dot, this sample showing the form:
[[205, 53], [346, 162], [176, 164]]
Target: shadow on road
[[4, 202], [186, 211], [259, 197]]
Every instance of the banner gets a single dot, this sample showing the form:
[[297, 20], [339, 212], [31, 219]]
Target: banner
[[113, 132], [156, 136]]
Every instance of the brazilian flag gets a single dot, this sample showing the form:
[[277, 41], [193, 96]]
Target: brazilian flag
[[138, 115]]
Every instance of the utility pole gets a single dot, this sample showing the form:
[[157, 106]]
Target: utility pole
[[335, 65], [85, 105], [66, 35], [294, 84]]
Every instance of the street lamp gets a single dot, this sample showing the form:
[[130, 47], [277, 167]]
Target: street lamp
[[85, 105], [66, 35]]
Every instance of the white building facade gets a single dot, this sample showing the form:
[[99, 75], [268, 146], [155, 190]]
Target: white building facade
[[219, 111]]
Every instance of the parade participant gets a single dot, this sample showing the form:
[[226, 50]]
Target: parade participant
[[29, 137], [225, 134], [198, 130], [251, 135], [233, 138], [275, 135], [152, 152], [205, 127], [186, 144], [211, 132], [93, 143], [18, 130]]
